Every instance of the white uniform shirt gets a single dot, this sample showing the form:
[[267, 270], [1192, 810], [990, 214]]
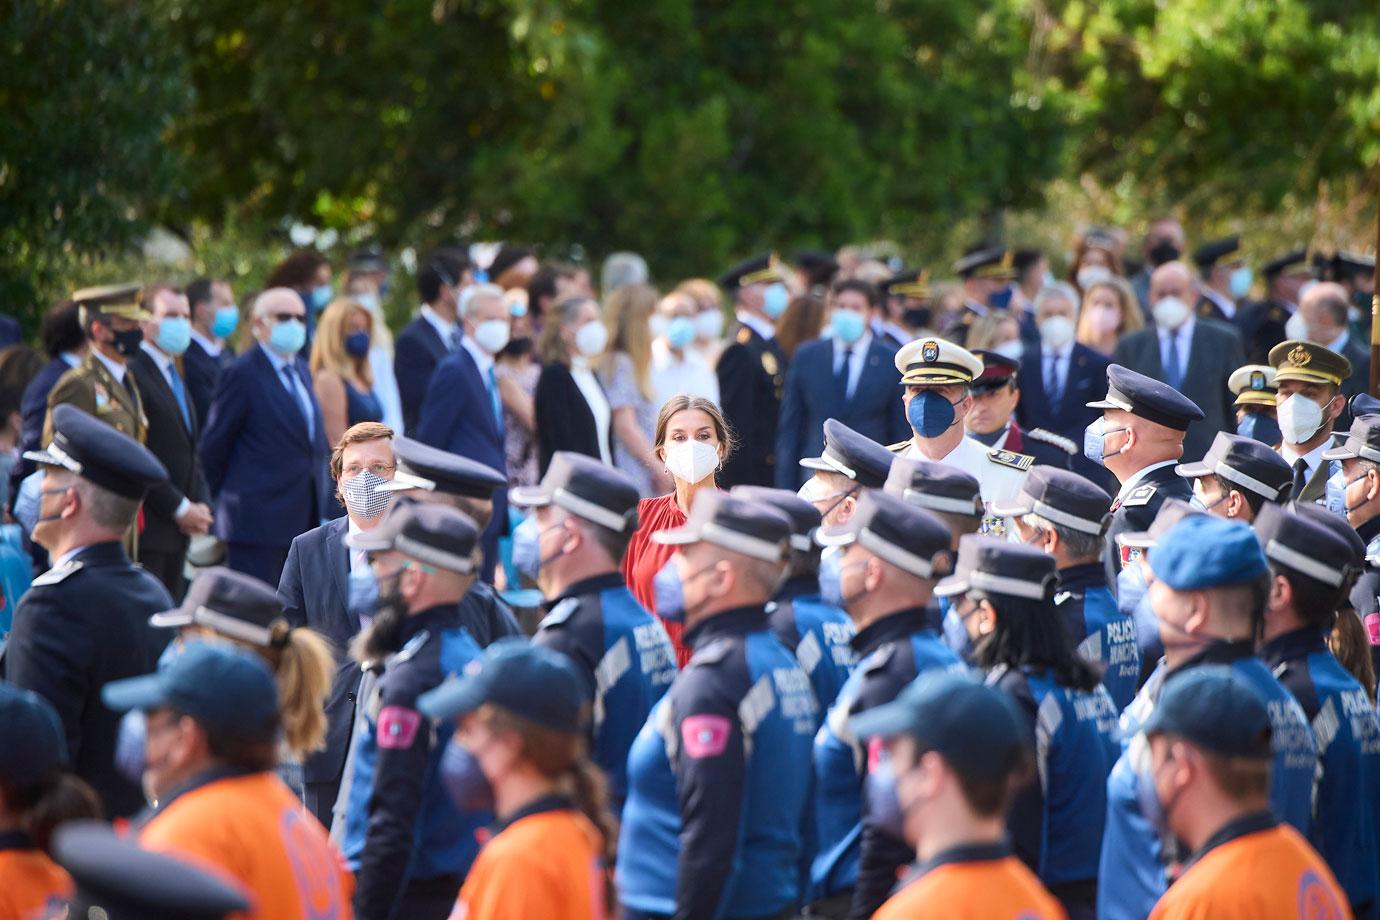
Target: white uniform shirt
[[997, 482]]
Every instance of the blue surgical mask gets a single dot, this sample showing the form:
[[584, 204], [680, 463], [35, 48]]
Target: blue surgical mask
[[227, 320], [320, 296], [362, 593], [174, 334], [289, 337], [464, 780], [527, 548], [930, 414], [830, 574], [516, 308], [1336, 494], [680, 332], [1000, 300], [1260, 427], [1094, 442], [357, 344], [774, 300], [669, 593], [1240, 282], [848, 326], [883, 802], [129, 746]]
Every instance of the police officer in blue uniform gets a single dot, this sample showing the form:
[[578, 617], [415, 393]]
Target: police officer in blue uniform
[[1139, 438], [1066, 515], [719, 776], [1359, 497], [1132, 584], [1208, 596], [408, 844], [1312, 561], [1238, 476], [893, 554], [849, 463], [584, 515], [1055, 822], [84, 622], [819, 633], [429, 474]]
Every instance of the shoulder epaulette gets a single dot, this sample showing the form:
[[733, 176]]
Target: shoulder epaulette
[[1140, 495], [878, 659], [1010, 458], [744, 335], [713, 653], [1049, 437], [411, 648], [900, 447], [560, 613], [57, 574]]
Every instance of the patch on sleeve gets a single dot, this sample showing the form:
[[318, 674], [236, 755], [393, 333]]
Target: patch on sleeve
[[1139, 496], [705, 735], [1010, 458], [398, 727]]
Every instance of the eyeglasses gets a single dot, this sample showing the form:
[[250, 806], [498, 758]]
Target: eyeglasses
[[380, 469], [286, 317]]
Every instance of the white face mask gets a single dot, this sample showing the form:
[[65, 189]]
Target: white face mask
[[591, 338], [691, 461], [709, 324], [1056, 332], [492, 335], [1012, 349], [1170, 312], [1299, 419], [1089, 275], [1296, 328]]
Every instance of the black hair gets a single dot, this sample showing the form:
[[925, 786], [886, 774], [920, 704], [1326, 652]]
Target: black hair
[[859, 286], [199, 291], [1031, 633], [1255, 500], [441, 269], [1315, 602], [544, 283], [61, 329]]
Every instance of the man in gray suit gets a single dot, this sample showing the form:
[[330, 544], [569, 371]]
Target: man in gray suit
[[1193, 355]]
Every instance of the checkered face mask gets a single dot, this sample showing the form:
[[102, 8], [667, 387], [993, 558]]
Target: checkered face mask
[[362, 497]]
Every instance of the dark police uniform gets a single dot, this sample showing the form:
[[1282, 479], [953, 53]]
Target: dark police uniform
[[910, 290], [979, 261], [1211, 304], [1048, 448], [1139, 500], [408, 843], [1246, 465], [1363, 441], [84, 622], [752, 375], [719, 776], [1262, 324]]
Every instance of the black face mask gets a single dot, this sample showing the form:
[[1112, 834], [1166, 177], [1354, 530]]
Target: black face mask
[[516, 348], [916, 318], [1361, 301], [127, 342], [1164, 252]]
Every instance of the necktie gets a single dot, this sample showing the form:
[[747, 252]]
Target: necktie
[[1300, 477], [455, 336], [294, 390], [493, 397], [180, 392], [1173, 373], [1053, 391], [841, 375]]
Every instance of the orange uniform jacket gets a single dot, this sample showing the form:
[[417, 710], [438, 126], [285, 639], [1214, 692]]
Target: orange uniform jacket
[[1255, 867], [252, 829], [32, 886], [977, 882], [544, 865]]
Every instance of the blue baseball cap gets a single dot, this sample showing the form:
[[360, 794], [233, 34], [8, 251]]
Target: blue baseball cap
[[223, 687], [1207, 552], [976, 728], [32, 744], [1215, 709], [530, 681]]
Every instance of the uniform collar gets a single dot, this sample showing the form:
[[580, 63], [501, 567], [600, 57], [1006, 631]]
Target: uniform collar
[[1253, 823], [1220, 651], [1296, 643], [889, 628], [735, 622], [965, 853], [205, 778], [15, 840], [442, 616], [594, 584], [993, 439], [116, 368], [758, 325], [798, 586], [1144, 473], [1082, 577], [1369, 530], [546, 803]]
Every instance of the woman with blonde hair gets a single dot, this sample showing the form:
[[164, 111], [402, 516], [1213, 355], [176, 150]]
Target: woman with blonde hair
[[626, 373], [1109, 312], [340, 368], [709, 316]]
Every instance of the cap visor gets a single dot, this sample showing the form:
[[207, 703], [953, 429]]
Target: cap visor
[[817, 463], [1011, 508], [948, 587], [1193, 470], [368, 540], [453, 698], [143, 692], [914, 379], [835, 537], [1136, 539], [893, 718], [1103, 404], [1340, 453], [529, 497], [676, 536], [171, 619], [402, 482]]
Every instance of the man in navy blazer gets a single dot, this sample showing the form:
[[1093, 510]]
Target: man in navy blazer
[[315, 592], [462, 413], [264, 447], [433, 335], [208, 353], [850, 376]]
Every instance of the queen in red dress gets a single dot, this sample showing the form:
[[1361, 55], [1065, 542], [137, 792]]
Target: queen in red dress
[[692, 439]]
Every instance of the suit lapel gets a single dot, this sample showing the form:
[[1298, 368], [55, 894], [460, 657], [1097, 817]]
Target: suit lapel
[[1316, 486], [156, 388], [285, 403], [338, 561], [477, 380]]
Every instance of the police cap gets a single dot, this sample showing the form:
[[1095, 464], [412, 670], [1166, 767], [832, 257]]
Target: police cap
[[99, 454], [1346, 264], [910, 538], [1149, 398], [914, 283], [1203, 551], [856, 456], [32, 744], [433, 534], [421, 466], [983, 261], [934, 361], [997, 371], [111, 300], [734, 524], [1060, 497], [530, 681], [232, 604], [1332, 522], [804, 516], [587, 489], [997, 566], [226, 688], [1302, 544], [1254, 385], [1362, 441], [977, 729], [1215, 709], [1295, 262], [368, 258], [1245, 463], [1209, 254], [935, 487], [117, 880], [763, 268], [1309, 363], [1170, 514]]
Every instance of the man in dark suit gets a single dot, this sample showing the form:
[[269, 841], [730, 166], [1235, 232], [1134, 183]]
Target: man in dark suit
[[177, 508], [1194, 356], [851, 376], [1322, 318], [65, 344], [992, 421], [264, 447], [1226, 280], [214, 319], [752, 369], [435, 332], [462, 412], [1262, 324]]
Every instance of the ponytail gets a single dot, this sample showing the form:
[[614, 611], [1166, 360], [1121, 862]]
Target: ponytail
[[50, 802], [304, 668], [589, 793]]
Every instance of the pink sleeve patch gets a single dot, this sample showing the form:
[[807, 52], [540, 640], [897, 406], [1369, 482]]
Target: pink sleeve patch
[[1373, 628], [875, 747], [398, 727], [705, 736]]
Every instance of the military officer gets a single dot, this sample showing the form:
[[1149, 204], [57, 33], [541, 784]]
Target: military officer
[[1140, 439], [1262, 324], [987, 273], [1356, 273], [752, 369], [906, 310], [101, 384], [1308, 403], [992, 419], [85, 621], [1255, 388], [1226, 279], [938, 376], [849, 463]]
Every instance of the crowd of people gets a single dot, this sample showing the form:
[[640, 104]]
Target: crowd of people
[[822, 589]]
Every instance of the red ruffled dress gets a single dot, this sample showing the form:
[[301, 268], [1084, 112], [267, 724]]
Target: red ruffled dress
[[645, 558]]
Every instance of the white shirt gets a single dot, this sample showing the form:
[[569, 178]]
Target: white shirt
[[359, 558], [117, 370], [598, 403], [1138, 475], [444, 327], [758, 325], [1310, 459], [296, 388], [1225, 304], [857, 355], [1180, 339], [689, 374], [1341, 342], [996, 482], [482, 359], [211, 346], [1061, 358]]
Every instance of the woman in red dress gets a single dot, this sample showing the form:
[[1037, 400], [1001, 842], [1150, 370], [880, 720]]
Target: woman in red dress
[[692, 439]]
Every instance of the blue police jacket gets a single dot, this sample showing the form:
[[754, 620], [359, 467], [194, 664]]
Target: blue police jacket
[[1347, 733], [401, 825], [819, 634], [1133, 856], [892, 651], [626, 657], [1100, 631], [1056, 822], [718, 779]]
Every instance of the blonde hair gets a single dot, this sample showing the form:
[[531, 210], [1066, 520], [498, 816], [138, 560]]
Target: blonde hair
[[1132, 319], [328, 345], [703, 292], [627, 314]]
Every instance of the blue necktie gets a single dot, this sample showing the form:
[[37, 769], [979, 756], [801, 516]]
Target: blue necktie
[[841, 376], [303, 406], [179, 391], [1173, 373], [1053, 391], [493, 398]]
